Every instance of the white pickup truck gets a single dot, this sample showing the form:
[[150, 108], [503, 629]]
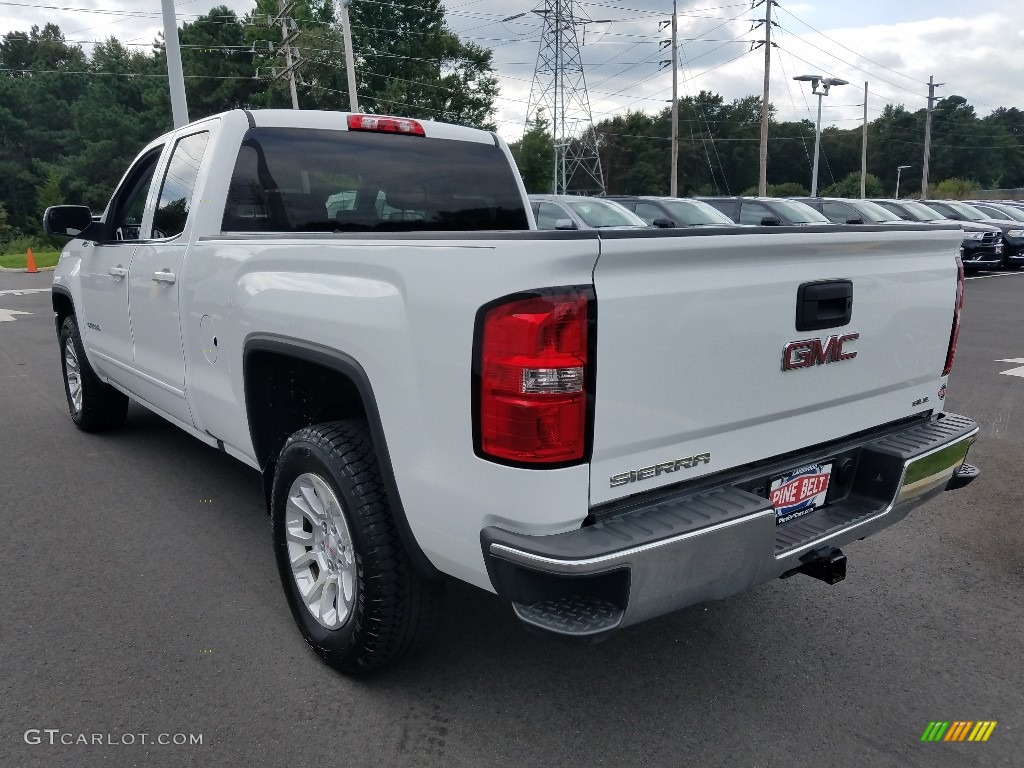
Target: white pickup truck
[[600, 427]]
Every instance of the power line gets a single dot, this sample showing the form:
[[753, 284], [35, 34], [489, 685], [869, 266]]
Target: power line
[[836, 42], [828, 71], [847, 63]]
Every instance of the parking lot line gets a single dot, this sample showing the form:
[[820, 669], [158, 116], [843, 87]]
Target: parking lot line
[[998, 274]]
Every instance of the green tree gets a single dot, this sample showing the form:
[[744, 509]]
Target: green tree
[[534, 154], [954, 189], [49, 193], [219, 64], [122, 107], [41, 82], [408, 62], [849, 186]]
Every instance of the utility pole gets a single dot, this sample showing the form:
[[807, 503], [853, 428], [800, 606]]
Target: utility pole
[[289, 32], [864, 148], [673, 187], [175, 75], [932, 85], [762, 173], [350, 65]]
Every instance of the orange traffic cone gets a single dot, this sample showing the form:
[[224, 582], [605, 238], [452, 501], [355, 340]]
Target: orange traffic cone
[[30, 262]]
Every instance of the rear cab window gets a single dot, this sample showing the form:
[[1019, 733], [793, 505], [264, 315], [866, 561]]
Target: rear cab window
[[314, 180]]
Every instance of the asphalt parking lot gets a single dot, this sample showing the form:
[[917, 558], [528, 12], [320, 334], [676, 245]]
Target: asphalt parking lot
[[138, 595]]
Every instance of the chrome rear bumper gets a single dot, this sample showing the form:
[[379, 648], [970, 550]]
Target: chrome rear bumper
[[669, 551]]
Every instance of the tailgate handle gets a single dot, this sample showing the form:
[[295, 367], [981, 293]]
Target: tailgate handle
[[824, 304]]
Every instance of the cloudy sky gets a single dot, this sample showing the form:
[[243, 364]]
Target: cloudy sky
[[894, 45]]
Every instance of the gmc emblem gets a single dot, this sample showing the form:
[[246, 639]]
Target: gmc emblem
[[804, 354]]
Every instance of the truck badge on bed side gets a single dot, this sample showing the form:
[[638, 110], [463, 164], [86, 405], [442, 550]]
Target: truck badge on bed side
[[644, 473]]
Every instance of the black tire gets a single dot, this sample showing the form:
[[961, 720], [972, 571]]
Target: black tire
[[394, 606], [102, 406]]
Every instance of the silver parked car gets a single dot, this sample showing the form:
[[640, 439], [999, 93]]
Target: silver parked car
[[575, 212]]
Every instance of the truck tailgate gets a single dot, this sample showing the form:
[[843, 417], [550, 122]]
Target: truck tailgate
[[691, 334]]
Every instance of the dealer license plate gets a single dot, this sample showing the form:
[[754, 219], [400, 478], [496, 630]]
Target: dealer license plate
[[799, 492]]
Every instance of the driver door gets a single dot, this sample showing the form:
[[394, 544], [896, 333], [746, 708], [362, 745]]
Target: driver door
[[103, 316]]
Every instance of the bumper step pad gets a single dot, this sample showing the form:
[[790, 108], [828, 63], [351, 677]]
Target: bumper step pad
[[577, 616]]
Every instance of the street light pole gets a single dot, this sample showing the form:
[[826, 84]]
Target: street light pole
[[898, 169], [175, 76], [350, 59], [817, 148], [824, 83]]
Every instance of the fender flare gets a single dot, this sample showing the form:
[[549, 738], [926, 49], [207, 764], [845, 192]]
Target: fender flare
[[347, 366], [66, 293]]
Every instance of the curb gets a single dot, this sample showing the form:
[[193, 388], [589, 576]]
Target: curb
[[25, 269]]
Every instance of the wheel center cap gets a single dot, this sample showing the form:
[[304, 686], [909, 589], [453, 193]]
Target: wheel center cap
[[331, 547]]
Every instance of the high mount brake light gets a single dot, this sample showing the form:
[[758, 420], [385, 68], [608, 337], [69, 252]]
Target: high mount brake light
[[380, 124], [533, 378], [954, 334]]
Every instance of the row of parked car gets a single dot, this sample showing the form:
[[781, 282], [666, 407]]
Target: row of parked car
[[993, 231]]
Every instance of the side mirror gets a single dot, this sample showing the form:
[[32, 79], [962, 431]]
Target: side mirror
[[565, 224], [855, 220], [771, 221], [67, 220], [664, 223]]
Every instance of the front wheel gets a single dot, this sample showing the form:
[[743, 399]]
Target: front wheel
[[93, 404], [351, 587]]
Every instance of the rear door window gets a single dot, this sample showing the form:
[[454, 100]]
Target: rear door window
[[179, 185], [310, 180], [752, 213], [649, 212], [838, 212], [548, 215], [729, 207]]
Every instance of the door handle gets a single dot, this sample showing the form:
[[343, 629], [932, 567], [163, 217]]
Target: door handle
[[118, 272], [165, 277]]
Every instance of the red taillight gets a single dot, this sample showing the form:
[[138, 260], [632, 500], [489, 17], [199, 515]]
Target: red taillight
[[954, 334], [532, 364], [385, 124]]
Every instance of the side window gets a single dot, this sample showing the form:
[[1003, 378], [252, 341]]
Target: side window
[[649, 212], [752, 213], [838, 212], [129, 202], [728, 207], [179, 185], [548, 214]]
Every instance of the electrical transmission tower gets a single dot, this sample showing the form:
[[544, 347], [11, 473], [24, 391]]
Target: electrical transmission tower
[[560, 90]]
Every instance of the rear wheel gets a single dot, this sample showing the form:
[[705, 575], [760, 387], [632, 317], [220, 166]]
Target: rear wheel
[[351, 587], [94, 405]]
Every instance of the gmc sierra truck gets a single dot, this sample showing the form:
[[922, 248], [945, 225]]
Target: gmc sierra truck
[[600, 427]]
